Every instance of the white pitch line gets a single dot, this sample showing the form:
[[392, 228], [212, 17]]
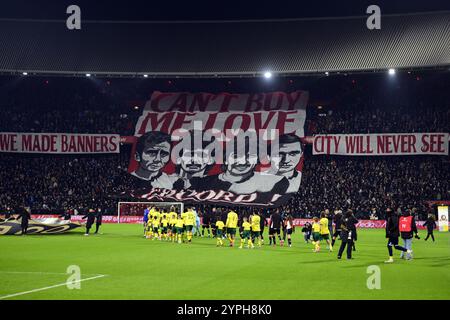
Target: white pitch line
[[39, 272], [50, 287]]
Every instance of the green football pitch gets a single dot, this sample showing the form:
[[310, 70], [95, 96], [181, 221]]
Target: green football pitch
[[121, 264]]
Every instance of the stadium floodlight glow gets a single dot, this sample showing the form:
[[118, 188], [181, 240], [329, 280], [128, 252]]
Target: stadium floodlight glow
[[25, 73], [391, 71], [267, 74], [88, 74]]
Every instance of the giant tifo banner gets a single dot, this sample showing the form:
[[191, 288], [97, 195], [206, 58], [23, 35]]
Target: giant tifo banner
[[382, 144], [61, 143], [235, 149]]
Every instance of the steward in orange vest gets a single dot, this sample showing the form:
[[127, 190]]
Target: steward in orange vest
[[407, 225]]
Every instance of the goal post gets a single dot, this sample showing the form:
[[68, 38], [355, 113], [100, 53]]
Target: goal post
[[136, 208]]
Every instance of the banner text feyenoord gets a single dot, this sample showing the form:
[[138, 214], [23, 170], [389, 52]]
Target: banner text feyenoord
[[384, 144], [59, 143]]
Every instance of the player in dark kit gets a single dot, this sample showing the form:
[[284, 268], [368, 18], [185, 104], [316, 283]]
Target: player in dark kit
[[223, 215], [348, 225], [206, 222], [98, 220], [240, 224], [284, 217], [307, 231], [90, 215], [274, 227], [262, 224], [337, 226], [392, 233], [330, 217], [215, 216], [431, 225], [25, 217], [355, 237]]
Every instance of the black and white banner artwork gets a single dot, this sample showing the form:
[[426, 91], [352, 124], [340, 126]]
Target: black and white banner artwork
[[233, 149]]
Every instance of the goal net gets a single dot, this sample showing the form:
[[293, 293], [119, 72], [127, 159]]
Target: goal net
[[133, 209]]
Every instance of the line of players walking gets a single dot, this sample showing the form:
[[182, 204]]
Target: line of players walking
[[169, 225], [222, 224]]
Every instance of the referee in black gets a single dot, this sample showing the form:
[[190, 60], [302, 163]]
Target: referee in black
[[337, 219], [274, 227]]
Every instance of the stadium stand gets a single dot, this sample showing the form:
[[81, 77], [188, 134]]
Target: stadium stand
[[53, 184]]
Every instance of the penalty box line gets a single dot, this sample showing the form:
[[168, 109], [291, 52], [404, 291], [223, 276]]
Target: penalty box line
[[50, 287]]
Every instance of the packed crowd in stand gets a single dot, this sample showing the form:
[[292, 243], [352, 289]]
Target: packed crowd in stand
[[377, 120], [53, 184], [369, 186]]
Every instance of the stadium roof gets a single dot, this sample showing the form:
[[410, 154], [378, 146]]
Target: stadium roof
[[225, 48]]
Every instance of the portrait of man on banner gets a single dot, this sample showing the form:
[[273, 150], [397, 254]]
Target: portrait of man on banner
[[240, 171], [152, 154], [285, 162], [192, 162]]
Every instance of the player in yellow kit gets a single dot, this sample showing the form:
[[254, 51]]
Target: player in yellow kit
[[316, 234], [179, 226], [246, 226], [164, 214], [189, 221], [164, 225], [155, 226], [255, 221], [172, 221], [148, 225], [154, 214], [231, 225], [219, 232], [324, 231]]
